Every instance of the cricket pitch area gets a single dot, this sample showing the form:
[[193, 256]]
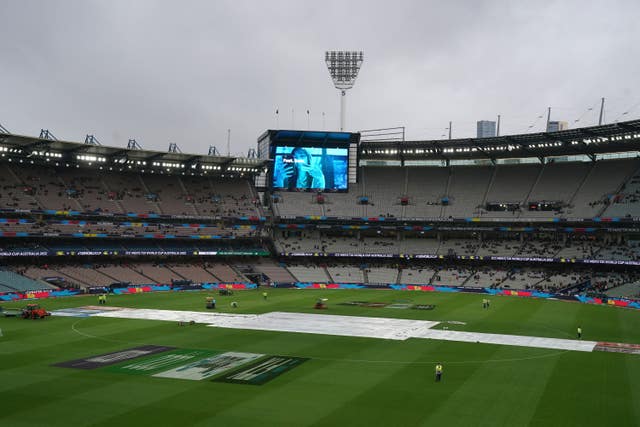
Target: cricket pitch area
[[352, 326]]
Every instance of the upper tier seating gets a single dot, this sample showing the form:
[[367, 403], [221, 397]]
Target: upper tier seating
[[426, 188], [384, 187], [577, 188], [37, 187], [466, 191], [627, 201], [604, 179]]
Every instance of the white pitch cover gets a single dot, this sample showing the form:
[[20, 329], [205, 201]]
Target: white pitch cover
[[353, 326]]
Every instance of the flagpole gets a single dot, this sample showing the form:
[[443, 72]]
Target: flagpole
[[308, 120], [277, 119]]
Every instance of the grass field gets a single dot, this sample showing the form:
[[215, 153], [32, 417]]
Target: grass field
[[346, 381]]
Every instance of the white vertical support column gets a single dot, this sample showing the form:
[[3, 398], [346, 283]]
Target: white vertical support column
[[343, 106]]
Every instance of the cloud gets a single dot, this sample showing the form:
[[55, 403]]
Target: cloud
[[185, 72]]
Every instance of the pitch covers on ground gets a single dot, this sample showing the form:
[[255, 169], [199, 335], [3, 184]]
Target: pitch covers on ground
[[210, 366]]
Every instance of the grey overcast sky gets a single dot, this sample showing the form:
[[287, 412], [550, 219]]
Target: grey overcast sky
[[186, 71]]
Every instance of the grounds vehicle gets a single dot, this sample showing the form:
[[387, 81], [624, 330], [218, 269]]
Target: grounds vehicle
[[34, 311], [211, 302], [321, 304]]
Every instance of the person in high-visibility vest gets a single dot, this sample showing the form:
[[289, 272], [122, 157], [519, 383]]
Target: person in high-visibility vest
[[579, 333], [438, 372]]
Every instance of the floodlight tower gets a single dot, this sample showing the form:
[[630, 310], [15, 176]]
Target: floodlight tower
[[343, 67]]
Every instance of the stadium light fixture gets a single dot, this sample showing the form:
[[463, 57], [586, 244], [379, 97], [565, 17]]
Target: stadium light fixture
[[343, 67]]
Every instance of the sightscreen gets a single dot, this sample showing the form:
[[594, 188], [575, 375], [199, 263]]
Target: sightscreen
[[307, 168]]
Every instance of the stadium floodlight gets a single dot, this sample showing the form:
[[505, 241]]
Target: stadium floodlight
[[343, 67]]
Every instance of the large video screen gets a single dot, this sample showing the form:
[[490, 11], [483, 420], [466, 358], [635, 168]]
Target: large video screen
[[310, 168]]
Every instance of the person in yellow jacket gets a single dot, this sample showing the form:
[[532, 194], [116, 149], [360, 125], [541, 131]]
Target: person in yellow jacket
[[438, 372]]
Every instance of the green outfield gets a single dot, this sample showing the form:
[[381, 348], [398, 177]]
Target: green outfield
[[295, 379]]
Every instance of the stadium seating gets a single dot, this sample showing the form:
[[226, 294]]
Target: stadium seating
[[580, 190], [466, 190], [344, 274], [558, 182], [522, 278], [311, 273], [416, 275], [579, 250], [382, 275], [426, 187], [157, 272], [226, 273], [128, 229], [34, 187], [171, 194], [37, 273], [503, 247], [194, 273], [511, 184], [627, 201], [532, 246], [347, 204], [603, 180], [458, 247], [536, 248], [297, 204], [15, 193], [384, 187], [275, 272], [17, 282], [141, 273], [87, 275], [626, 290], [451, 276], [124, 274], [486, 277], [629, 251]]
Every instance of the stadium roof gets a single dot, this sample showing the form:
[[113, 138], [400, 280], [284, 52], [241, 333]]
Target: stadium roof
[[610, 138], [66, 152], [299, 137]]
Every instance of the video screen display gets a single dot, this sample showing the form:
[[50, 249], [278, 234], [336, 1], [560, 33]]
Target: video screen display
[[310, 168]]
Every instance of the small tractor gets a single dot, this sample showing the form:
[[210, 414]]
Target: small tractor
[[321, 304], [33, 311]]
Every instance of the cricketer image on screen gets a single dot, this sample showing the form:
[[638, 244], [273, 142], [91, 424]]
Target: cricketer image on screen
[[310, 168]]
